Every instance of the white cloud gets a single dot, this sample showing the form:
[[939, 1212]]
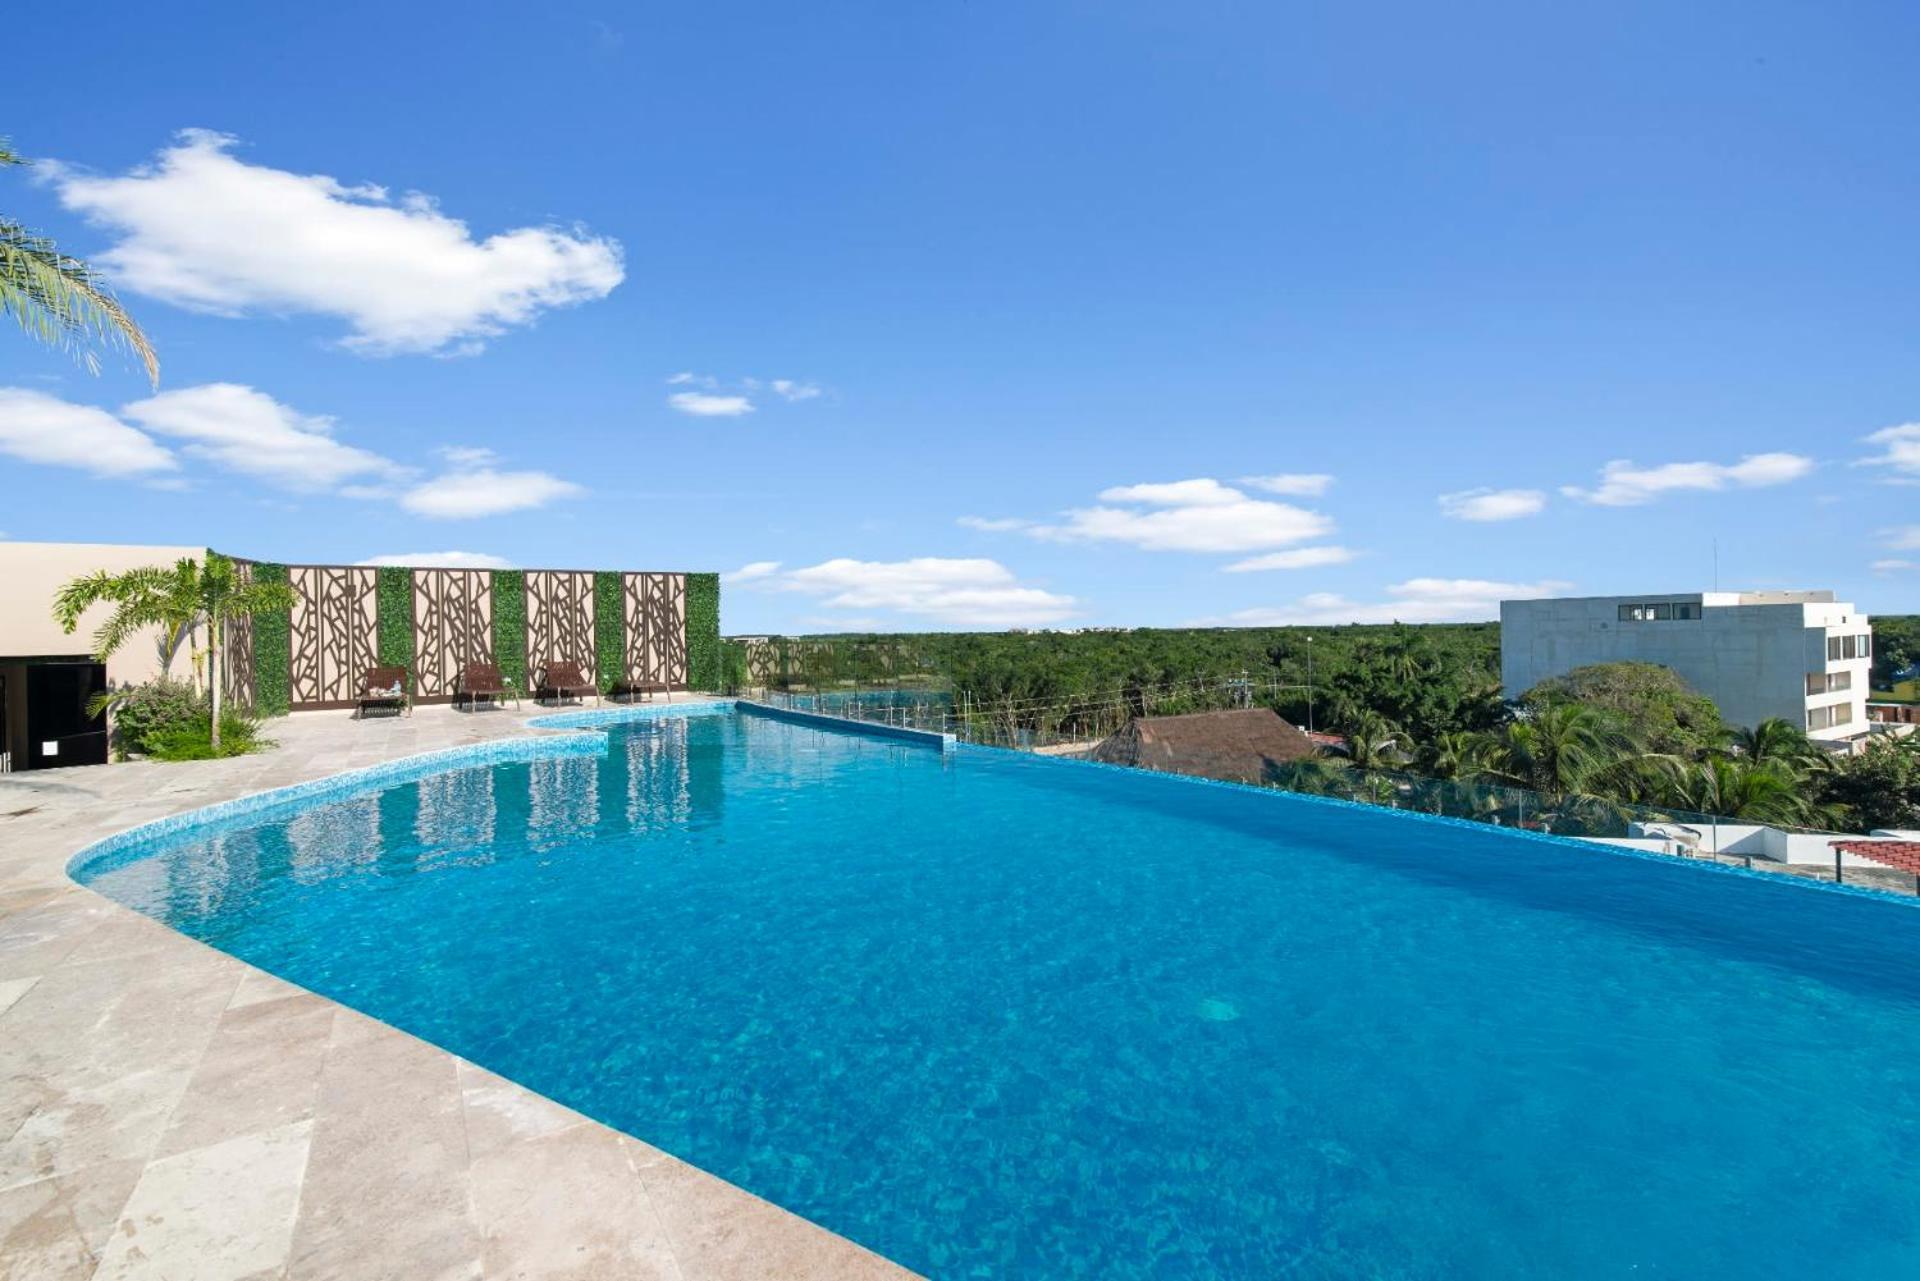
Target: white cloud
[[1492, 504], [1200, 515], [474, 487], [39, 428], [751, 571], [790, 390], [994, 525], [1902, 538], [1894, 566], [1900, 448], [1176, 493], [1298, 558], [442, 560], [250, 432], [1417, 600], [202, 229], [1624, 485], [953, 591], [706, 405], [1299, 484]]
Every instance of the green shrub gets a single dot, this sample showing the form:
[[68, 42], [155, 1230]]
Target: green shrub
[[510, 625], [609, 630], [193, 741], [155, 709], [703, 632], [272, 650], [393, 615]]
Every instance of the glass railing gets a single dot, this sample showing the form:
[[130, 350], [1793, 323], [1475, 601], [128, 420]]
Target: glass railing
[[1680, 833]]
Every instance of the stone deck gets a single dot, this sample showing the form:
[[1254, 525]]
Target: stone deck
[[168, 1111]]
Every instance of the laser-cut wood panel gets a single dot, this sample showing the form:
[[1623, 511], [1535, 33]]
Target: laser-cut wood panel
[[560, 619], [452, 626], [656, 606], [335, 633]]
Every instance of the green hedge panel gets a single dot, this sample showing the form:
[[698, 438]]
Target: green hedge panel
[[703, 632], [609, 629], [393, 615], [272, 650], [510, 625]]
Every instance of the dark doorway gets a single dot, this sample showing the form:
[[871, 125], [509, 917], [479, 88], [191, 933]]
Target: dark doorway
[[43, 713]]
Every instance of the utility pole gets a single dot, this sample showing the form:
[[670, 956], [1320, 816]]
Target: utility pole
[[1309, 682]]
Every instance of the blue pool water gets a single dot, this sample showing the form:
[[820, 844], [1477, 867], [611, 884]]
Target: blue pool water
[[996, 1016]]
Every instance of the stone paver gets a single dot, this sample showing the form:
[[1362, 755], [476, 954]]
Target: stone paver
[[168, 1111]]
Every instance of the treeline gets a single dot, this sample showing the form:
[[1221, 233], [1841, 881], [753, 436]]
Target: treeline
[[1423, 699]]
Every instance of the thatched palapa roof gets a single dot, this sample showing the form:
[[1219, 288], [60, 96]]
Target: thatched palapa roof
[[1237, 746]]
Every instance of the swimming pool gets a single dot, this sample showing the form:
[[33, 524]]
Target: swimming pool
[[994, 1015]]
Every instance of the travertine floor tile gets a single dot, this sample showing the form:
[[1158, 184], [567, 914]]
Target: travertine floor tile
[[568, 1206], [218, 1213]]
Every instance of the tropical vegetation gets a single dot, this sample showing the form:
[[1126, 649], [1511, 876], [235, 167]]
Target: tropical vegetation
[[60, 300], [176, 600]]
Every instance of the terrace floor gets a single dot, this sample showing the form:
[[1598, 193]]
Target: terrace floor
[[168, 1111]]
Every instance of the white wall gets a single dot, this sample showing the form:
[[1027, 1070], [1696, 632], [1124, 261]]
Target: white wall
[[30, 575], [1752, 660]]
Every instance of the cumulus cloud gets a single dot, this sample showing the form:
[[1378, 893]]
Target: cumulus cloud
[[703, 404], [442, 560], [752, 571], [1417, 600], [1894, 566], [1297, 484], [1298, 558], [959, 592], [38, 428], [994, 524], [1200, 515], [1492, 504], [247, 431], [1899, 449], [203, 229], [1622, 484], [473, 487]]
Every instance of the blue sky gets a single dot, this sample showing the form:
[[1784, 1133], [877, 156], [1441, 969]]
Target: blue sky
[[1046, 314]]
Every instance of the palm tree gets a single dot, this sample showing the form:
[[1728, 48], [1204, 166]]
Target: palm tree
[[1758, 791], [1777, 739], [1564, 749], [1374, 742], [59, 299], [1459, 754], [184, 596]]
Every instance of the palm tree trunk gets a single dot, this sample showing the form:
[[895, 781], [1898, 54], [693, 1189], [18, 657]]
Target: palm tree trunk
[[213, 674]]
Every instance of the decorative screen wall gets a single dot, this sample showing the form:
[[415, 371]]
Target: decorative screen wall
[[656, 628], [560, 620], [334, 633], [452, 626], [316, 656]]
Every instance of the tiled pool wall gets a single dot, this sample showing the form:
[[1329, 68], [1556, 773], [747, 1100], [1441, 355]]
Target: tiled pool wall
[[580, 741]]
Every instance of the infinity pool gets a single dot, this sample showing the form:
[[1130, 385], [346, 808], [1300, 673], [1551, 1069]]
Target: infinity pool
[[997, 1016]]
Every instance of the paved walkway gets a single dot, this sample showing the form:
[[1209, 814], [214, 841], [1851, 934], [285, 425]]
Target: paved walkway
[[168, 1111]]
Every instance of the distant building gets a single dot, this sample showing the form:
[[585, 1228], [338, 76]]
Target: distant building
[[1801, 656]]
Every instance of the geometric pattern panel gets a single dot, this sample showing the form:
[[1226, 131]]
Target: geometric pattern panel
[[236, 650], [656, 606], [560, 620], [334, 634], [452, 626]]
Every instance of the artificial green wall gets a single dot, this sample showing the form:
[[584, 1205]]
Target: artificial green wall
[[393, 615], [609, 628], [703, 632], [510, 625], [272, 650]]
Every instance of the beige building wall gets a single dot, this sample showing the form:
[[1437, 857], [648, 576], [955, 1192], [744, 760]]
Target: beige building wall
[[31, 574]]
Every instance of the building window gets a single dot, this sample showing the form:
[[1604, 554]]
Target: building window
[[1658, 611], [1839, 682], [1816, 683]]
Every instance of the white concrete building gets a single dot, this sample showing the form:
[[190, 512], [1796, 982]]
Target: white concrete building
[[1801, 656]]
